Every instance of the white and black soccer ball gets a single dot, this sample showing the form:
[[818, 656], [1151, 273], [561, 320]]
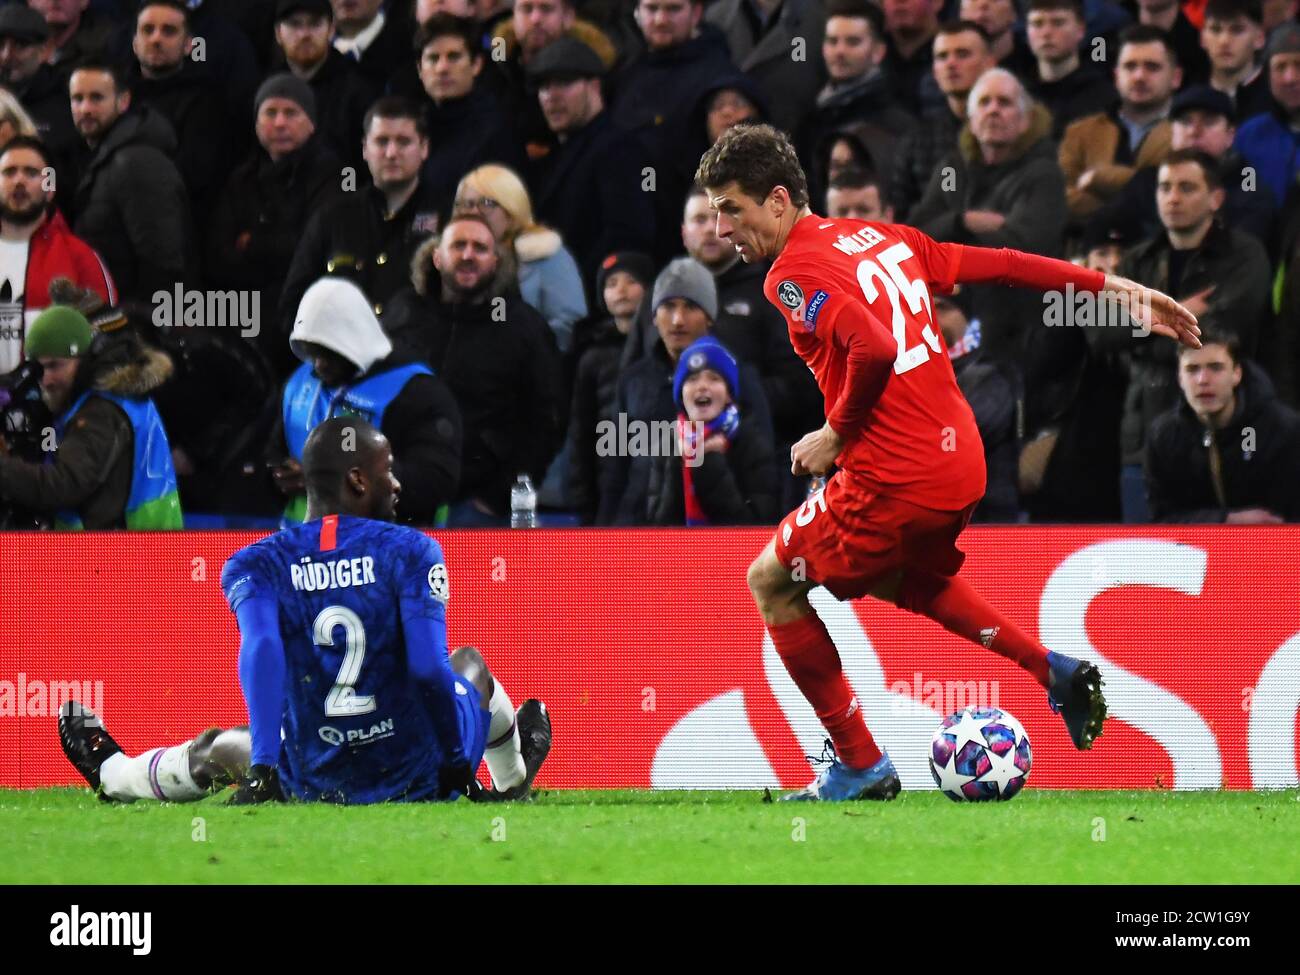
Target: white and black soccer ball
[[980, 755]]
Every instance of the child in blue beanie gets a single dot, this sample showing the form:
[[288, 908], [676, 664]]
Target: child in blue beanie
[[726, 472]]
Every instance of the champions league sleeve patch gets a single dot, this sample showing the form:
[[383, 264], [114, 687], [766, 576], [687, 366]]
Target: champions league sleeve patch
[[438, 583], [791, 294], [439, 587]]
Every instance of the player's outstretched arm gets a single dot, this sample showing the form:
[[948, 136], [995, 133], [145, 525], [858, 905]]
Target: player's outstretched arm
[[1151, 308], [1156, 310]]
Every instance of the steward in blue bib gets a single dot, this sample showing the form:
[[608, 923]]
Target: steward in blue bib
[[349, 368]]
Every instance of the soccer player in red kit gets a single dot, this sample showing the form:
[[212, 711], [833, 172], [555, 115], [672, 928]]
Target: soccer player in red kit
[[857, 300]]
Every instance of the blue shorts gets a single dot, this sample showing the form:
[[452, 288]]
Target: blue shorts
[[473, 721]]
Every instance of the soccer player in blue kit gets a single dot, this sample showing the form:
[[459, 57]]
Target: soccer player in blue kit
[[352, 697]]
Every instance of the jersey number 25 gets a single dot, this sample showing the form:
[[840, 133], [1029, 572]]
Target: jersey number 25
[[897, 285]]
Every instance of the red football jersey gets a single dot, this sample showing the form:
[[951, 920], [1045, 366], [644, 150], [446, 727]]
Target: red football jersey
[[857, 302]]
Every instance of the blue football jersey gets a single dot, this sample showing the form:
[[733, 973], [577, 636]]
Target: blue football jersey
[[356, 726]]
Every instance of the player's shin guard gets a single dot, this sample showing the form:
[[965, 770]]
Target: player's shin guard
[[505, 760], [163, 774], [813, 663], [953, 604]]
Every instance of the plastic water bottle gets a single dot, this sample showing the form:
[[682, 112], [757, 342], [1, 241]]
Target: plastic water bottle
[[816, 483], [523, 503]]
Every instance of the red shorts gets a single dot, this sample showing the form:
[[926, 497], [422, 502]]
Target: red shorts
[[849, 537]]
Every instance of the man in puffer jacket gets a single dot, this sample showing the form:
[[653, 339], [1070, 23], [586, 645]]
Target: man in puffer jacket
[[349, 367], [725, 473]]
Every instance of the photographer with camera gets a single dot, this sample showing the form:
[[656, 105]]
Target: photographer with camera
[[107, 462]]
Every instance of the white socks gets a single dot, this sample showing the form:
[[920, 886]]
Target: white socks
[[163, 774], [504, 760]]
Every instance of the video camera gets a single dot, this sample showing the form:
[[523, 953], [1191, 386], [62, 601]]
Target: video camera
[[23, 417]]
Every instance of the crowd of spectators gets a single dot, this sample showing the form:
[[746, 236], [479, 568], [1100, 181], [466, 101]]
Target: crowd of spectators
[[475, 224]]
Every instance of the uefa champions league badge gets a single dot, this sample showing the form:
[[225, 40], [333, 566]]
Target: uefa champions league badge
[[791, 294], [439, 588]]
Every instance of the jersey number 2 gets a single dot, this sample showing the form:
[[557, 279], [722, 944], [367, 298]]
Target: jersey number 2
[[343, 700], [898, 285]]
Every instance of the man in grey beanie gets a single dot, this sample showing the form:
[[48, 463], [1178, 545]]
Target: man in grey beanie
[[685, 279], [267, 201], [684, 303], [290, 88]]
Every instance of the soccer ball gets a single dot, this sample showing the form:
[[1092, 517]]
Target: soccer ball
[[980, 754]]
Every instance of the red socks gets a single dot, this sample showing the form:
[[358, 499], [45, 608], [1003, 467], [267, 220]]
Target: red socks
[[814, 664], [953, 604]]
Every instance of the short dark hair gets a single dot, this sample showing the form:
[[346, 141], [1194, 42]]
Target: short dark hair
[[1217, 336], [950, 27], [28, 142], [396, 106], [1147, 34], [1073, 6], [1213, 176], [449, 25], [859, 10], [176, 5], [110, 68], [757, 158], [1252, 10], [858, 178]]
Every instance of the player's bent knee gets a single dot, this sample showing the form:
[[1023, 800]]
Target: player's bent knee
[[462, 658], [469, 663], [768, 579], [229, 755], [219, 757]]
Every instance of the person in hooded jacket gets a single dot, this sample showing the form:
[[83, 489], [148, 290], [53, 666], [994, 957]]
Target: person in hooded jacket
[[762, 39], [350, 367], [724, 102]]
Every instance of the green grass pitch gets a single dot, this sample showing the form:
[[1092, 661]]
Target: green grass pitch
[[67, 836]]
